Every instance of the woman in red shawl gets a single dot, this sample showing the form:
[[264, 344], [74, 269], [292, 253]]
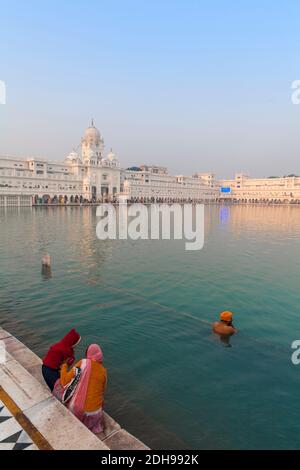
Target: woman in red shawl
[[58, 354]]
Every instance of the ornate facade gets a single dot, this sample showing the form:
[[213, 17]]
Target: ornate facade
[[90, 176], [87, 176]]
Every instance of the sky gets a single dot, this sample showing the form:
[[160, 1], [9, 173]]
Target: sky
[[192, 85]]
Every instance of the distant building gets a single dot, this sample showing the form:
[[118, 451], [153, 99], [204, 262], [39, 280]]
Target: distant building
[[90, 176], [154, 184], [242, 188]]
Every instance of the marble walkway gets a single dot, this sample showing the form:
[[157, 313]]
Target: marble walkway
[[12, 435]]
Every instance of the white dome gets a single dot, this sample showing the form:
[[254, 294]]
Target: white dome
[[92, 133], [111, 156]]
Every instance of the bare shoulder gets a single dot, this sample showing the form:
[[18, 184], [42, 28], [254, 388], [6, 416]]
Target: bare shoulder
[[216, 327]]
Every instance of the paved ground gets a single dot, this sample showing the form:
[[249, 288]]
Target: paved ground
[[12, 435]]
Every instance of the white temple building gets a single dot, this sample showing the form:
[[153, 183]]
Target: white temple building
[[100, 175], [86, 176], [90, 176]]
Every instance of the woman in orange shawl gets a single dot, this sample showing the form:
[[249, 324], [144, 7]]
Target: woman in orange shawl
[[87, 402]]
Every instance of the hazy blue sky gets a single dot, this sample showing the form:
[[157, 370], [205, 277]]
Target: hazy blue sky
[[193, 85]]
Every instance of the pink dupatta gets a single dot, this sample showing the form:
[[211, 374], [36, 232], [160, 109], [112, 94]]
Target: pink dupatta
[[76, 405]]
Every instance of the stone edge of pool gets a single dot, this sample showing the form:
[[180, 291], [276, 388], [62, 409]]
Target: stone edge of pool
[[21, 379]]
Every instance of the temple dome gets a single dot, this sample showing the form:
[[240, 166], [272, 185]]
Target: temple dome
[[92, 134]]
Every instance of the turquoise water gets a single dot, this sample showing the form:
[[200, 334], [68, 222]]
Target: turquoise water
[[172, 383]]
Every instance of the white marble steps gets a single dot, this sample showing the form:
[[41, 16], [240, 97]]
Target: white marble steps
[[21, 378]]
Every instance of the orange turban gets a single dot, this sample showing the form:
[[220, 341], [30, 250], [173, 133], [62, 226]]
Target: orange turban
[[226, 316]]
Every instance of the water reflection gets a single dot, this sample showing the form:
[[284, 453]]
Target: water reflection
[[224, 215], [46, 272], [262, 217]]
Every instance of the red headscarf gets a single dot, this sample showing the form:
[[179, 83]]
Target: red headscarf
[[62, 350]]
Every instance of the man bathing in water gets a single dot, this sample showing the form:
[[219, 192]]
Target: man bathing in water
[[224, 327]]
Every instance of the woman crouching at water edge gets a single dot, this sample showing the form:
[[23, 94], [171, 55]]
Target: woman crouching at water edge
[[57, 354], [87, 402]]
